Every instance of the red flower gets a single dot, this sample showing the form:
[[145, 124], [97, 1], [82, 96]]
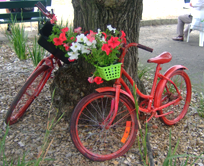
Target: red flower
[[65, 29], [123, 37], [66, 46], [124, 40], [123, 34], [106, 48], [86, 32], [105, 36], [98, 80], [91, 80], [57, 41], [77, 30], [53, 20], [91, 36], [113, 42], [72, 38], [62, 37], [71, 60]]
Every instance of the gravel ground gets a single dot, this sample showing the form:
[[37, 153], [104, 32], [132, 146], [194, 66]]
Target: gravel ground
[[27, 135]]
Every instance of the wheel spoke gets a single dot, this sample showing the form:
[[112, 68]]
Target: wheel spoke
[[26, 95], [89, 126], [182, 91]]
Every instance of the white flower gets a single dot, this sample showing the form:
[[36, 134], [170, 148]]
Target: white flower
[[91, 44], [103, 40], [99, 32], [85, 50], [81, 38], [110, 28], [75, 47], [73, 55]]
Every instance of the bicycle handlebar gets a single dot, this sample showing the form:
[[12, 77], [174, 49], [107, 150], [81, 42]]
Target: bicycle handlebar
[[125, 49], [42, 8], [145, 47], [138, 46]]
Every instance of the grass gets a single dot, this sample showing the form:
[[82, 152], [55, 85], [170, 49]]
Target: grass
[[200, 109], [143, 70], [171, 157], [37, 52], [18, 38], [140, 137]]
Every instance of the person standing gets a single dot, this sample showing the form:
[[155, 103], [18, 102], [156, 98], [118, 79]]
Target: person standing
[[196, 5]]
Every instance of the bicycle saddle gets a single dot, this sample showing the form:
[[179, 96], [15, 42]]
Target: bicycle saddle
[[164, 57]]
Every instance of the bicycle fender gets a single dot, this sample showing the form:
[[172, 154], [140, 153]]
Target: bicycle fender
[[112, 89], [174, 68], [162, 82]]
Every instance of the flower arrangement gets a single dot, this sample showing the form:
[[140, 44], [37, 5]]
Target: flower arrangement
[[98, 48]]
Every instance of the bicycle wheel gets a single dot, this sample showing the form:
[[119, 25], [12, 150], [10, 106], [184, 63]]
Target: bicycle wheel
[[168, 93], [89, 130], [27, 94]]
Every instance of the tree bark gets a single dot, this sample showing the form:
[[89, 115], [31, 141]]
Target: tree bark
[[71, 83]]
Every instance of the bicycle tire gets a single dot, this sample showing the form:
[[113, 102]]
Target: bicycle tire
[[168, 93], [27, 94], [88, 130]]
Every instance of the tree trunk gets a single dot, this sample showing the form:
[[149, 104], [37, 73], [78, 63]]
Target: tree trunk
[[70, 81]]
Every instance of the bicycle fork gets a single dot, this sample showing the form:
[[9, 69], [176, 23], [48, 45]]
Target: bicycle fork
[[112, 114], [113, 109]]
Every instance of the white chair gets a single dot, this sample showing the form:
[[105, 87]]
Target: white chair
[[197, 24]]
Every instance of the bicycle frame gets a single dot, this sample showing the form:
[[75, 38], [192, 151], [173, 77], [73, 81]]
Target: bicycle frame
[[117, 88], [49, 62]]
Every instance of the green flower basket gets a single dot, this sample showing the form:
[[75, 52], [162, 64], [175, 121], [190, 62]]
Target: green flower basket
[[110, 72]]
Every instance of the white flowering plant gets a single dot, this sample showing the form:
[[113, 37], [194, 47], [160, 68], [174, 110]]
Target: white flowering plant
[[98, 48]]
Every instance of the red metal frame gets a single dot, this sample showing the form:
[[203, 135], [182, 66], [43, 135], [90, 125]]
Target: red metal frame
[[150, 109], [49, 62]]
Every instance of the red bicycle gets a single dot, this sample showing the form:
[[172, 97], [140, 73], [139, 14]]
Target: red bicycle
[[31, 89], [34, 83], [104, 124]]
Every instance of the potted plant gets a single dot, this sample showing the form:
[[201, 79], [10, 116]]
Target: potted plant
[[50, 28], [101, 49]]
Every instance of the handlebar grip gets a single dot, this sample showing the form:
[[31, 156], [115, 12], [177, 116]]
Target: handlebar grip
[[145, 48], [43, 9]]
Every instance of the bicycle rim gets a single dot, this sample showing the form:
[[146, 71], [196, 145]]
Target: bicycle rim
[[169, 93], [27, 94], [90, 132]]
